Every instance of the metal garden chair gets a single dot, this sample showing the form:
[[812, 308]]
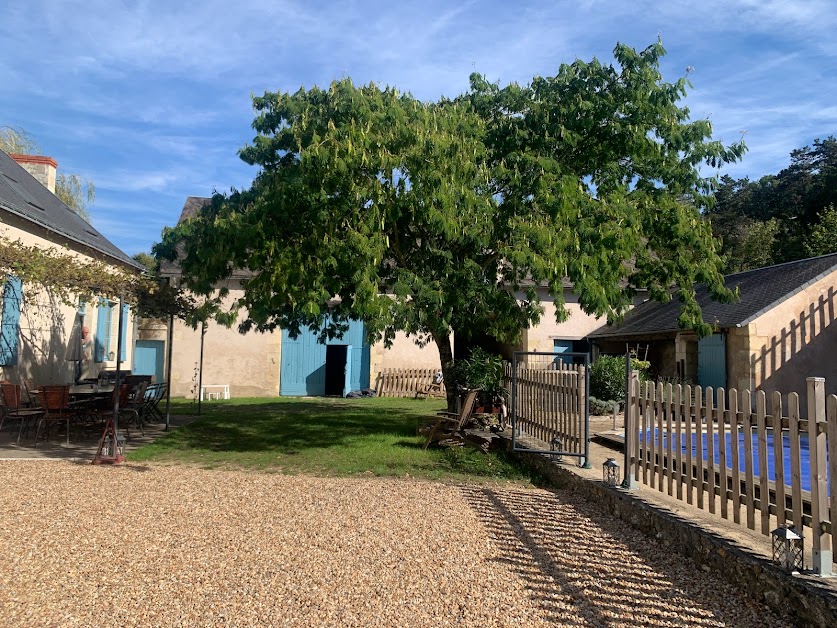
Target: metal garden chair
[[14, 409], [55, 403]]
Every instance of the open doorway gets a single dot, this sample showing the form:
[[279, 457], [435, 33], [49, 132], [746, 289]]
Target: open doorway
[[335, 369]]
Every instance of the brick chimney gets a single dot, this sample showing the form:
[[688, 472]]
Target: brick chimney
[[42, 168]]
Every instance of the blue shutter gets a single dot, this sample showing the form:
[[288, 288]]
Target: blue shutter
[[102, 330], [126, 315], [12, 293]]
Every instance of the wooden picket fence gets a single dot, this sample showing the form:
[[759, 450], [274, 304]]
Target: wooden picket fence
[[406, 382], [669, 427], [550, 403]]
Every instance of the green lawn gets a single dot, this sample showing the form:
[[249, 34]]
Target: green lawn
[[331, 437]]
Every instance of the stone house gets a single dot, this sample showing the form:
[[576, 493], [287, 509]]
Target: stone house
[[776, 335], [43, 339], [271, 364], [257, 364]]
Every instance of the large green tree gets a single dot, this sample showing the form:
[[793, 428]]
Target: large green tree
[[436, 217], [74, 190]]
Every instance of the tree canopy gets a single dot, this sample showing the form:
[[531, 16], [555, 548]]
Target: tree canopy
[[74, 190], [444, 217], [772, 220]]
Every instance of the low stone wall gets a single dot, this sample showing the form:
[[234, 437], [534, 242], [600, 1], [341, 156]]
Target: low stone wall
[[810, 600]]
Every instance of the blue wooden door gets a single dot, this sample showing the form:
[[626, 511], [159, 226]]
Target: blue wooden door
[[304, 362], [348, 381], [148, 359], [303, 365], [712, 361]]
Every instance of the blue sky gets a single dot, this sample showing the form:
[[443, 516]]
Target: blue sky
[[151, 99]]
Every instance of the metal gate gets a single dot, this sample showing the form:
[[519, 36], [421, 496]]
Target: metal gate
[[549, 403]]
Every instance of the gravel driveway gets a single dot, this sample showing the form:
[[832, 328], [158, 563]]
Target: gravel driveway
[[165, 546]]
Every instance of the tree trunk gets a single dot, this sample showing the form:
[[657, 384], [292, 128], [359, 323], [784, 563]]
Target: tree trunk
[[446, 357]]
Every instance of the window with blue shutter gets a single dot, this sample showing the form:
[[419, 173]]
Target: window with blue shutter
[[12, 295], [104, 317]]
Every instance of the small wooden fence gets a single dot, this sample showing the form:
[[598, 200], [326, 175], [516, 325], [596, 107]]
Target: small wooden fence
[[674, 438], [549, 403], [406, 382]]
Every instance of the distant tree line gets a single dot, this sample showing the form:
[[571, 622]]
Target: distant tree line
[[783, 217]]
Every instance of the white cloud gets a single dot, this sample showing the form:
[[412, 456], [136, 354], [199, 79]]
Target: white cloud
[[138, 181], [149, 98]]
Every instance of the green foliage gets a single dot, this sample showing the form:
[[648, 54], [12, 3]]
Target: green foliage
[[76, 192], [152, 266], [640, 366], [771, 220], [756, 245], [71, 279], [599, 407], [64, 275], [17, 141], [481, 371], [427, 217], [607, 378], [823, 237]]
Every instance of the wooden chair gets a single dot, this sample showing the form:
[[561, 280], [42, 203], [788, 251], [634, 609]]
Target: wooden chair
[[55, 403], [435, 388], [447, 425], [14, 409]]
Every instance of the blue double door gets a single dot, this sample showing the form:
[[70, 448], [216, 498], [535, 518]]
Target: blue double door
[[311, 368]]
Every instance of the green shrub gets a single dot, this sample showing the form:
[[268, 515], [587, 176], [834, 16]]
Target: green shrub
[[599, 407], [481, 371], [607, 378]]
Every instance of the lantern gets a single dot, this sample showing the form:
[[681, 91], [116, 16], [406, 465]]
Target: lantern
[[787, 548], [610, 473], [556, 445]]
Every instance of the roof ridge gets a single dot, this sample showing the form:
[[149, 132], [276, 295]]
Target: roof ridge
[[796, 261]]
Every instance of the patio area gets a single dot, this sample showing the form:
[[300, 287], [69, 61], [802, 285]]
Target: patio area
[[82, 446]]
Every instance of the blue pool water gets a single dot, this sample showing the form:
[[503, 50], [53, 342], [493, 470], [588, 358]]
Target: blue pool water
[[804, 456]]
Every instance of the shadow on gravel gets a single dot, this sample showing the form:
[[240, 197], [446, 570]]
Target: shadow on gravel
[[575, 558]]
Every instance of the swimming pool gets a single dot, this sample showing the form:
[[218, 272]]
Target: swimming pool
[[804, 453]]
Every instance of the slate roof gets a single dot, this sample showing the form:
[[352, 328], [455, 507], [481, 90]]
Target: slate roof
[[760, 290], [24, 196], [191, 208]]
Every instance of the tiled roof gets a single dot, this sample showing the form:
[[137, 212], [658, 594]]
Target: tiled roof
[[760, 290], [24, 196]]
